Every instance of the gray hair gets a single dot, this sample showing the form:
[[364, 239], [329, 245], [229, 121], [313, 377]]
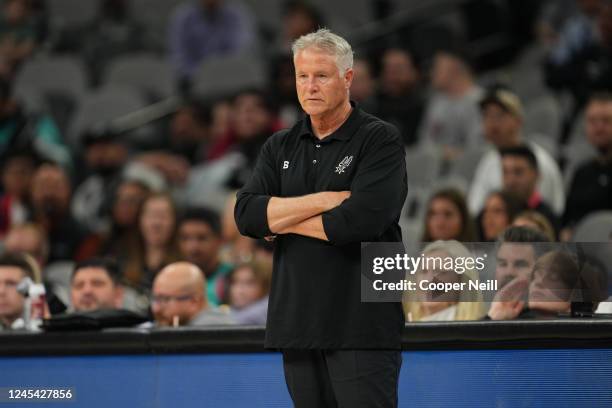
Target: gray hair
[[328, 42]]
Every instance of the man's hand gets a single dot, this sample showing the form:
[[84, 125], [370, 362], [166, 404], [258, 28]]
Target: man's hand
[[506, 310], [508, 302]]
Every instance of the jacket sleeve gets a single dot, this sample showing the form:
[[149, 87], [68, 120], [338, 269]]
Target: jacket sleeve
[[378, 192], [251, 210]]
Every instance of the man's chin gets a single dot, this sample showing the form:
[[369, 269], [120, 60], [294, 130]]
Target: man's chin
[[314, 108], [88, 308], [6, 311]]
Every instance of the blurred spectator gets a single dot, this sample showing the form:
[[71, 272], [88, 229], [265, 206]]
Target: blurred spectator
[[536, 221], [400, 99], [517, 250], [557, 281], [95, 285], [29, 238], [179, 298], [238, 248], [452, 120], [104, 157], [577, 30], [554, 277], [13, 268], [591, 186], [190, 131], [254, 120], [520, 177], [502, 116], [434, 305], [552, 19], [20, 129], [498, 213], [363, 85], [114, 32], [194, 128], [173, 167], [447, 218], [190, 136], [282, 78], [51, 193], [17, 171], [20, 33], [123, 235], [199, 241], [205, 28], [584, 64], [221, 119], [248, 293], [299, 18], [156, 246]]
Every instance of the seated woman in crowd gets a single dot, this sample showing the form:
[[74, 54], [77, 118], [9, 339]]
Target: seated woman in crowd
[[435, 305], [535, 220], [557, 280], [447, 218], [248, 292], [237, 248], [127, 201], [498, 213], [156, 246]]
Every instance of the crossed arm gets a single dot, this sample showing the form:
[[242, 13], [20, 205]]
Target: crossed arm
[[378, 191], [302, 215]]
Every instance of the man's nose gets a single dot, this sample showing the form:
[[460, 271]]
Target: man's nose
[[513, 271], [311, 85], [191, 246]]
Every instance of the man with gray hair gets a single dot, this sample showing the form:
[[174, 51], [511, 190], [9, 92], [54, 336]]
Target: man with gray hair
[[335, 179]]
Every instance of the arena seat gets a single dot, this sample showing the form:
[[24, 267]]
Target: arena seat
[[223, 76], [423, 165], [60, 74], [543, 116], [68, 14], [150, 73], [98, 108], [595, 227]]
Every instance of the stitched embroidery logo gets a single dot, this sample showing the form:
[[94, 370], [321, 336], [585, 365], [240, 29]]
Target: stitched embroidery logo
[[344, 164]]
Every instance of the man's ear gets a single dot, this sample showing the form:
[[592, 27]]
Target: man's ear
[[348, 77], [119, 296]]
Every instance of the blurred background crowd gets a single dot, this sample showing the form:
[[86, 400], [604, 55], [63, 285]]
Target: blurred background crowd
[[126, 126]]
